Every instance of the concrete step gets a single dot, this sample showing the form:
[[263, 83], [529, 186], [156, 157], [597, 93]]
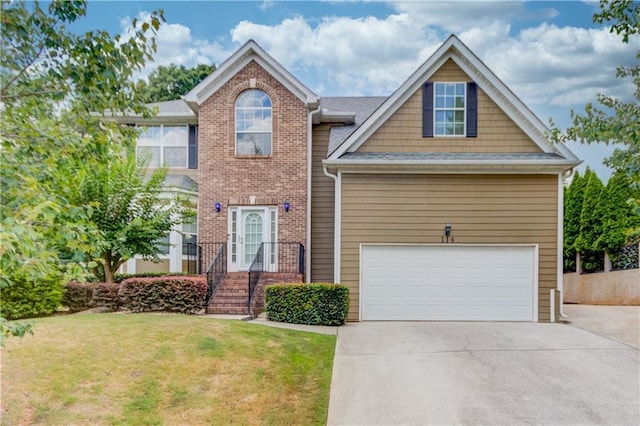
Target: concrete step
[[236, 310]]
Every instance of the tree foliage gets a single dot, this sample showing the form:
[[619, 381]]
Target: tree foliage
[[131, 212], [616, 215], [597, 219], [53, 83], [614, 121], [167, 83], [590, 224], [573, 199]]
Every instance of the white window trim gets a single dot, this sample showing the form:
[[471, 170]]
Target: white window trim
[[464, 109], [162, 146], [235, 124]]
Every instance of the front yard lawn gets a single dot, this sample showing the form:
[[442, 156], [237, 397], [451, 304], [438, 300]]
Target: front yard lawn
[[164, 369]]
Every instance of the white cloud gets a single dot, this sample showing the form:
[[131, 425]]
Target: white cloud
[[266, 5], [559, 65], [352, 55], [458, 16], [175, 44]]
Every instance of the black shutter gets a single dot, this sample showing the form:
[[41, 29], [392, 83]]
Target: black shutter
[[472, 110], [193, 147], [427, 110]]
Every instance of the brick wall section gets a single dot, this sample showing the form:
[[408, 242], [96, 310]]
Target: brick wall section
[[231, 180]]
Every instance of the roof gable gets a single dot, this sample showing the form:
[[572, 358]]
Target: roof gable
[[403, 131], [250, 51], [453, 49]]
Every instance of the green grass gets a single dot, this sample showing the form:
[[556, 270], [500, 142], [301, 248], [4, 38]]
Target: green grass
[[148, 369]]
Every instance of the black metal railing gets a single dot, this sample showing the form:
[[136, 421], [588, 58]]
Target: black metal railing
[[255, 272], [216, 271], [191, 258], [281, 257], [206, 253]]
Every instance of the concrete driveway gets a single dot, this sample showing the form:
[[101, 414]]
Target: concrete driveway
[[620, 323], [407, 373]]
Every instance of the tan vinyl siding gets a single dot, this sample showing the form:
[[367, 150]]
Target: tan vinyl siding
[[148, 266], [402, 132], [482, 209], [322, 210]]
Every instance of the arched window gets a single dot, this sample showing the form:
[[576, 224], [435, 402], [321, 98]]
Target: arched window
[[253, 123]]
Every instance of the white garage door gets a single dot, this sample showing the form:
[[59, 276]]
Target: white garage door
[[447, 282]]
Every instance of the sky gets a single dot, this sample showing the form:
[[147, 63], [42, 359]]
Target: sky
[[549, 53]]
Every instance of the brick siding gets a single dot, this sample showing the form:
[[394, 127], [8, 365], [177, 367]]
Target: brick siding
[[234, 181]]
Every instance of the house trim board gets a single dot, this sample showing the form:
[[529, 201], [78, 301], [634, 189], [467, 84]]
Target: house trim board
[[312, 114]]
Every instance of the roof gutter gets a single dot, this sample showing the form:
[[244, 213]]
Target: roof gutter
[[454, 166]]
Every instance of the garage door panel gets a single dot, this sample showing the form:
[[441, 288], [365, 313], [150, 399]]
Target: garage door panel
[[450, 282]]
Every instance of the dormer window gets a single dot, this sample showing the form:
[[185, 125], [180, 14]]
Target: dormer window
[[253, 123]]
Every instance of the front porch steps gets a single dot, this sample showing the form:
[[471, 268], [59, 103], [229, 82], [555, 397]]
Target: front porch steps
[[232, 294]]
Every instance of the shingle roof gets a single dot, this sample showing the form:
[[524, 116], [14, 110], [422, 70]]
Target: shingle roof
[[181, 182], [177, 107], [363, 107]]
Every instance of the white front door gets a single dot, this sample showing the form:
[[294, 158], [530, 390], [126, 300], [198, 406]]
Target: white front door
[[249, 227], [252, 229]]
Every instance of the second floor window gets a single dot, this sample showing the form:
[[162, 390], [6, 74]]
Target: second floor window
[[165, 145], [253, 123], [449, 109]]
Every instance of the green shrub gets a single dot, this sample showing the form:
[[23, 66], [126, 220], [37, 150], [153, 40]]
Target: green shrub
[[28, 298], [121, 277], [106, 295], [315, 304], [78, 296], [184, 294]]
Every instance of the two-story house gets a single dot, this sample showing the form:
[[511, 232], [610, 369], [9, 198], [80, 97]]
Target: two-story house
[[442, 201]]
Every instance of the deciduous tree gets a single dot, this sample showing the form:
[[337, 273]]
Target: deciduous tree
[[53, 83], [611, 120], [167, 83]]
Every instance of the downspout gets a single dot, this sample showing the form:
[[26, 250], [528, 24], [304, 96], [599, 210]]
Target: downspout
[[309, 173], [561, 178], [336, 224]]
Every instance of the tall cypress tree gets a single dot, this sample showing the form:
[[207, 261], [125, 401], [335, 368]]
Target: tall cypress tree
[[616, 214], [590, 225], [573, 198]]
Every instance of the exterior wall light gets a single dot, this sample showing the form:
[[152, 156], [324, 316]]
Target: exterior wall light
[[217, 206], [447, 237], [287, 206]]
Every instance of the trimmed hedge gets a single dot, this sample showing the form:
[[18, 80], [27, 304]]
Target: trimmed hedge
[[106, 294], [121, 277], [78, 296], [314, 304], [184, 294], [31, 298]]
